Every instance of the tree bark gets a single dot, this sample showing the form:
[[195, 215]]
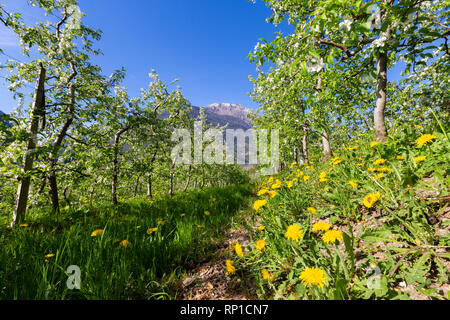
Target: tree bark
[[38, 108], [115, 172], [149, 186], [327, 153], [380, 126], [53, 160]]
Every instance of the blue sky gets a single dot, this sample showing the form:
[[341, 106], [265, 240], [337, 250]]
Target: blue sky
[[204, 43]]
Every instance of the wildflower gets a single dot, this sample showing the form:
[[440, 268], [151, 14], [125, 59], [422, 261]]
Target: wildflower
[[182, 215], [384, 169], [277, 184], [261, 228], [379, 161], [332, 236], [400, 158], [272, 194], [313, 277], [207, 213], [425, 139], [419, 159], [124, 243], [263, 191], [353, 184], [290, 184], [359, 164], [321, 226], [372, 169], [352, 148], [238, 249], [161, 222], [258, 204], [300, 173], [267, 275], [24, 225], [378, 176], [261, 244], [371, 198], [151, 230], [230, 268], [312, 210], [97, 232], [293, 164], [306, 178], [323, 177], [50, 255], [294, 232], [335, 161], [138, 227], [374, 144]]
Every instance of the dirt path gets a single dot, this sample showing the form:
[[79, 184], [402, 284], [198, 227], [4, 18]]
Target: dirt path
[[207, 280]]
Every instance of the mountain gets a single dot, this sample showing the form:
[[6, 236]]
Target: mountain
[[235, 115]]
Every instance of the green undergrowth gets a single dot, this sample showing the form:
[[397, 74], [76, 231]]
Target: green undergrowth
[[128, 258]]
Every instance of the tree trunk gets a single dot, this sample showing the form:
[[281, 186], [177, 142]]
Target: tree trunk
[[53, 160], [188, 179], [38, 109], [136, 187], [305, 157], [380, 126], [149, 187], [115, 173], [326, 146]]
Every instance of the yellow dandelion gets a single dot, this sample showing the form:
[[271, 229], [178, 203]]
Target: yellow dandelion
[[50, 255], [419, 159], [230, 268], [359, 164], [353, 184], [124, 243], [384, 169], [379, 176], [182, 215], [267, 275], [272, 194], [161, 222], [259, 204], [263, 191], [277, 184], [332, 236], [371, 198], [261, 244], [290, 184], [321, 226], [374, 144], [323, 177], [313, 277], [425, 139], [238, 249], [151, 230], [312, 210], [335, 161], [207, 213], [379, 161], [400, 158], [294, 232], [261, 228], [306, 178], [24, 225], [96, 233]]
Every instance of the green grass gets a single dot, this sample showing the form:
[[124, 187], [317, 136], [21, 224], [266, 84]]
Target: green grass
[[146, 268], [401, 223]]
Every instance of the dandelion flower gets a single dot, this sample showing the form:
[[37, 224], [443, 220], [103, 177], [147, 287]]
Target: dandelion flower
[[294, 232], [374, 144], [124, 243], [353, 184], [306, 178], [371, 198], [50, 255], [400, 158], [323, 177], [379, 161], [151, 230], [290, 184], [277, 184], [321, 226], [272, 194], [312, 210], [419, 159], [313, 277], [335, 161], [332, 236], [24, 225], [379, 176], [261, 228], [96, 233], [263, 191], [238, 249], [259, 204], [267, 275], [207, 213], [230, 268], [425, 139], [261, 244]]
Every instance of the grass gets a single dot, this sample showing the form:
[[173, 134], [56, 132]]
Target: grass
[[382, 242], [145, 268]]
